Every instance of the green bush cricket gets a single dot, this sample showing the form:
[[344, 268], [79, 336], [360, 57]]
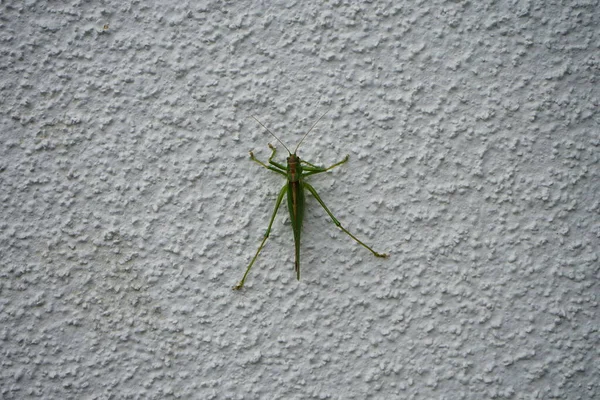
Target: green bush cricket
[[295, 172]]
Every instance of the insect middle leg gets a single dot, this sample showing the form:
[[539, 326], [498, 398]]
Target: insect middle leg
[[337, 223], [262, 244], [314, 169], [280, 169]]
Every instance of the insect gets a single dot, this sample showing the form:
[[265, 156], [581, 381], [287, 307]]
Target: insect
[[295, 172]]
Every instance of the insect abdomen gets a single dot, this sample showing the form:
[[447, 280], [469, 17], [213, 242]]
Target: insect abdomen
[[295, 198]]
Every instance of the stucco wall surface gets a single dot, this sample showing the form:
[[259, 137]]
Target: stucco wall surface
[[130, 207]]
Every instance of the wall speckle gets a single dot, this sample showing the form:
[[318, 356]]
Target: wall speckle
[[130, 207]]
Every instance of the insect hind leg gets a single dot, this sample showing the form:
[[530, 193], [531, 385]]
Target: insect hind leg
[[337, 223], [262, 244]]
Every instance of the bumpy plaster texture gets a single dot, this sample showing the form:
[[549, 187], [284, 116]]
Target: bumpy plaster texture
[[130, 207]]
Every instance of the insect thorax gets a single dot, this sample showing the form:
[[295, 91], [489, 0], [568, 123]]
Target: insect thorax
[[294, 167]]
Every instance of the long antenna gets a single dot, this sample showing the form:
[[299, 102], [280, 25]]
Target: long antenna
[[311, 128], [272, 134]]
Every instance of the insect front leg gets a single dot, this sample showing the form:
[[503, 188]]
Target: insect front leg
[[337, 223], [262, 244], [275, 163]]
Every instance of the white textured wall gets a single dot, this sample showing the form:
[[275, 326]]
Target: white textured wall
[[130, 207]]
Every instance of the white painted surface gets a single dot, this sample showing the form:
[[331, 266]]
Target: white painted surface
[[130, 206]]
